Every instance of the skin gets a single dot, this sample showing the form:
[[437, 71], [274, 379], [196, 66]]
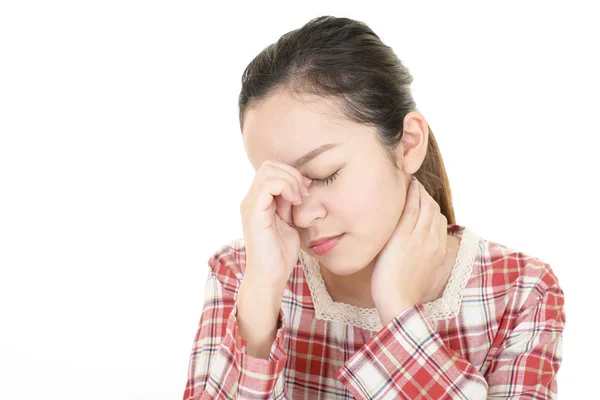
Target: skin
[[366, 198]]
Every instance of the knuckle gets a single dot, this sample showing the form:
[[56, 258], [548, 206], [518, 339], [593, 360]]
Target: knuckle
[[267, 165], [263, 166], [300, 177]]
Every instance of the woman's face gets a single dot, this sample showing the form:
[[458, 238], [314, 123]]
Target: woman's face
[[356, 189]]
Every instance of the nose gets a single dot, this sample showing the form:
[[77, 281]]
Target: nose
[[307, 211]]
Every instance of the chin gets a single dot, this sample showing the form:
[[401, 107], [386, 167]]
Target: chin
[[340, 268]]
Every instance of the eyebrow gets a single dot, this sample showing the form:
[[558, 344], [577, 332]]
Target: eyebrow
[[313, 153]]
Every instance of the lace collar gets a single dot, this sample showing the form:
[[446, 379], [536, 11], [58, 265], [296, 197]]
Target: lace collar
[[444, 307]]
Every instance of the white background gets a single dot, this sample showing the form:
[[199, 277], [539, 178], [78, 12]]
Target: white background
[[122, 167]]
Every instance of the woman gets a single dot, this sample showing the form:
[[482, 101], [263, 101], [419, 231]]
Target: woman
[[402, 302]]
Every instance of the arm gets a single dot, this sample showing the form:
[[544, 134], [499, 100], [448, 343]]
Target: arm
[[529, 358], [407, 359], [219, 366]]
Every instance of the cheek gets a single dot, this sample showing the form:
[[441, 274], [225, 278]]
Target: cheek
[[372, 206], [363, 201]]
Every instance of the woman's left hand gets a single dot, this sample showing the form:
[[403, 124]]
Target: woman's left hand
[[407, 269]]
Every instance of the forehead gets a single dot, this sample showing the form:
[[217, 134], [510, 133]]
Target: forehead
[[285, 127]]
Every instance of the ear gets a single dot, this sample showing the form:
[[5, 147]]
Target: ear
[[413, 146]]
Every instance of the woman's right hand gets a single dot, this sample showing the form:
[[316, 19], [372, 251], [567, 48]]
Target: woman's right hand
[[272, 242]]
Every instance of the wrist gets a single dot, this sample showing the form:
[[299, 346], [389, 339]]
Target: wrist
[[258, 318], [257, 283], [390, 309], [258, 303]]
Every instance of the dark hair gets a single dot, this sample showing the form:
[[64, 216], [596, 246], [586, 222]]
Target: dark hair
[[345, 60]]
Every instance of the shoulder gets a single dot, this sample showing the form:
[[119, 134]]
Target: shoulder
[[518, 274], [228, 263]]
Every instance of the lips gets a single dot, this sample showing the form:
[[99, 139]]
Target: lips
[[327, 246], [320, 241]]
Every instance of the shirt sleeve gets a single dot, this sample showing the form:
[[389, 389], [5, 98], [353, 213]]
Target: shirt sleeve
[[528, 361], [407, 359], [219, 367]]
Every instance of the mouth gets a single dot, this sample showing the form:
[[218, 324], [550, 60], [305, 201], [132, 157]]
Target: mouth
[[325, 245]]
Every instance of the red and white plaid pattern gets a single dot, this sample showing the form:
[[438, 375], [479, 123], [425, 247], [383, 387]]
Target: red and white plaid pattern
[[505, 343]]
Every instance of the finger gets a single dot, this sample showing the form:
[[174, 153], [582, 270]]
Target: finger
[[443, 230], [434, 225], [279, 169], [264, 196], [442, 237], [301, 180], [433, 212], [427, 225], [423, 223], [270, 169], [283, 203], [283, 209], [410, 212], [271, 187]]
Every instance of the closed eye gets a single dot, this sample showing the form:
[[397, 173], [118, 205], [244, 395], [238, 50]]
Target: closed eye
[[327, 180]]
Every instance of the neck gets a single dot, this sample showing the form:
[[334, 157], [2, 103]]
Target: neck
[[353, 289]]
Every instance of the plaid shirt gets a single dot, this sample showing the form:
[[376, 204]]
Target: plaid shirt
[[504, 342]]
